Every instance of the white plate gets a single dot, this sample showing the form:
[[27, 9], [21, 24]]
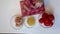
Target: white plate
[[42, 24]]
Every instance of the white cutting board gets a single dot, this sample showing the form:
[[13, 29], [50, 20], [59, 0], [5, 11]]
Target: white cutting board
[[8, 8]]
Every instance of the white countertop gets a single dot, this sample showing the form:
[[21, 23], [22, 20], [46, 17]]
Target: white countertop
[[8, 8]]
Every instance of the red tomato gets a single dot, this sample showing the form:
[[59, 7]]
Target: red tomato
[[48, 23], [51, 17], [46, 20], [44, 15], [41, 20]]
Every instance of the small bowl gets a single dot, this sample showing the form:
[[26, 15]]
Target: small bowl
[[26, 23], [13, 23]]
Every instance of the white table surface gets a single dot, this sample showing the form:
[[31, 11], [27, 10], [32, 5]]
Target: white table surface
[[8, 8]]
